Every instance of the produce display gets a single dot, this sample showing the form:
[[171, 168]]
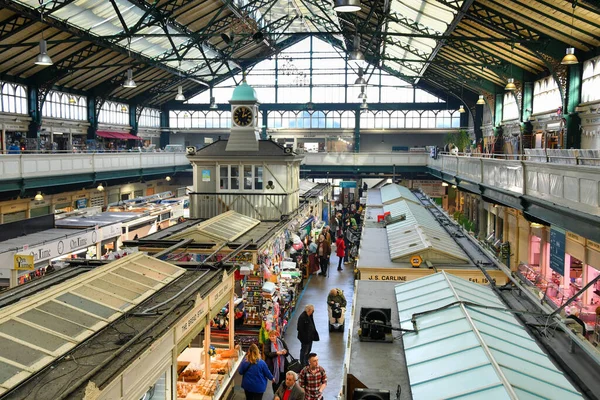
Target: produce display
[[191, 381]]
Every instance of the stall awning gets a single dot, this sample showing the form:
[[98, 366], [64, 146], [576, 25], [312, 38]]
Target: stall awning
[[117, 135], [468, 347]]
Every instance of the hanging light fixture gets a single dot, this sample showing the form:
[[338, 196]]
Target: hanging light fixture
[[360, 81], [100, 188], [168, 178], [461, 109], [124, 108], [480, 101], [43, 58], [129, 82], [346, 5], [444, 184], [362, 94], [72, 100], [180, 96], [38, 197], [364, 105], [510, 85], [570, 58], [356, 55], [213, 105]]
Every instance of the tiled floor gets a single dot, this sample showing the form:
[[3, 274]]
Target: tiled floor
[[331, 348]]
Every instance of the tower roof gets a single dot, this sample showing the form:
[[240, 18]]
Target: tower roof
[[244, 92]]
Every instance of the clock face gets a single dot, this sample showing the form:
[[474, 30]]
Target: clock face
[[242, 116]]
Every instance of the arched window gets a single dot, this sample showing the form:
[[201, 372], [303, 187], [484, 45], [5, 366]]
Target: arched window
[[590, 84], [13, 98]]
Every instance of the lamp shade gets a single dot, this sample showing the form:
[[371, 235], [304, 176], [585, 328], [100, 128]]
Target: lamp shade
[[213, 105], [356, 55], [461, 109], [570, 58], [38, 197], [100, 188], [180, 96], [364, 105], [129, 82], [360, 81], [510, 85], [43, 58], [346, 5], [480, 101]]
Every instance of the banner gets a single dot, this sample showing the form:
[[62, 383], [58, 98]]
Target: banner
[[558, 240]]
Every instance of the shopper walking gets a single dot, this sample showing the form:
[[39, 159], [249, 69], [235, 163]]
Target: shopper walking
[[340, 251], [313, 379], [324, 251], [289, 390], [276, 351], [307, 332], [255, 374]]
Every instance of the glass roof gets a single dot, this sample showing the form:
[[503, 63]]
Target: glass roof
[[416, 17], [393, 192], [419, 233], [39, 329], [227, 227], [471, 352]]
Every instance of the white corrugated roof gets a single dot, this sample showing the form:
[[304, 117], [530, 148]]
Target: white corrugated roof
[[466, 351], [420, 234], [392, 193]]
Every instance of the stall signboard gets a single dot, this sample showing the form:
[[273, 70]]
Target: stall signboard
[[206, 175], [348, 184], [430, 187], [558, 240], [23, 262], [192, 318], [61, 247], [401, 275], [221, 291]]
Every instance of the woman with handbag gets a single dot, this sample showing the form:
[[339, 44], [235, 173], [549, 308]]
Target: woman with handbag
[[255, 374], [276, 352]]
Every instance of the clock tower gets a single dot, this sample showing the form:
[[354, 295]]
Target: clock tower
[[244, 135]]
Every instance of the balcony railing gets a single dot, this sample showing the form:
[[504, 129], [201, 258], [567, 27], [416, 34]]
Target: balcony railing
[[21, 166], [574, 185]]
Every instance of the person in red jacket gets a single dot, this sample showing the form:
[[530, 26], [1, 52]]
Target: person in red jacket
[[340, 251]]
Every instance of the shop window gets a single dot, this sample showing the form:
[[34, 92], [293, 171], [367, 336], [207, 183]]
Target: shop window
[[258, 178], [16, 216], [125, 196], [36, 212], [138, 193], [510, 110], [113, 198], [590, 84]]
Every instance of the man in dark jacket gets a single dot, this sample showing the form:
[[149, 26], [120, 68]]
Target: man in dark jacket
[[307, 333]]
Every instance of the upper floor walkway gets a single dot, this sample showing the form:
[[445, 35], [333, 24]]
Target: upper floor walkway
[[44, 165]]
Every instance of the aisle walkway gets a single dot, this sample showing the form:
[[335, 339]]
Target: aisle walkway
[[331, 348]]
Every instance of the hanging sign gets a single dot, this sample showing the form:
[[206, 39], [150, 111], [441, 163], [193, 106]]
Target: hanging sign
[[416, 260], [206, 175], [193, 317], [558, 241], [24, 262]]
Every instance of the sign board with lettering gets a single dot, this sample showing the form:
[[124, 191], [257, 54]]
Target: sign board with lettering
[[59, 247], [192, 318], [558, 241], [221, 291], [23, 262], [401, 275]]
